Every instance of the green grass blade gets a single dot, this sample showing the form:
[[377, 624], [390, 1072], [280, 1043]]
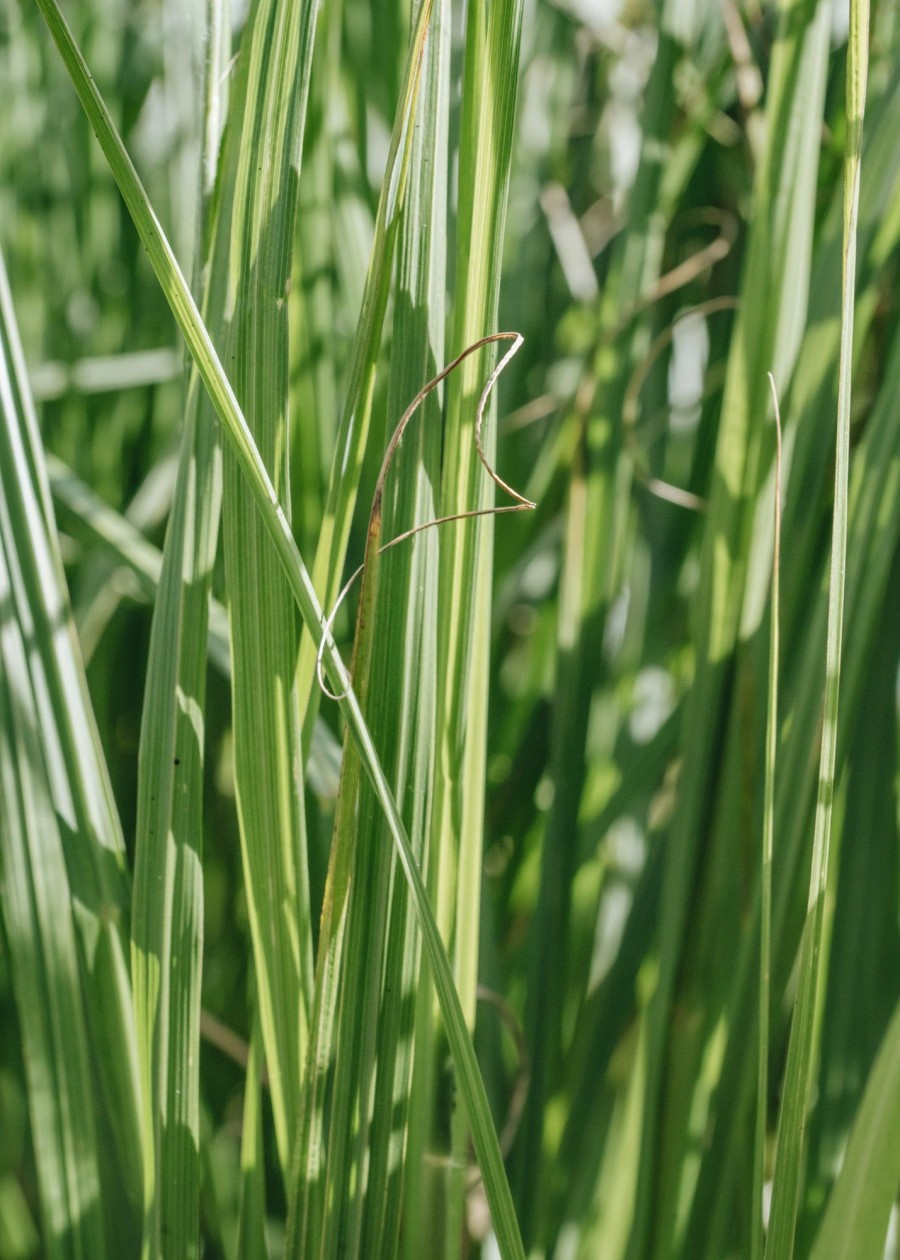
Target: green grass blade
[[36, 895], [861, 939], [167, 927], [251, 1242], [324, 1189], [80, 792], [765, 929], [167, 919], [856, 1220], [406, 613], [227, 407], [490, 89], [317, 350], [43, 953], [787, 1181], [255, 235], [353, 429]]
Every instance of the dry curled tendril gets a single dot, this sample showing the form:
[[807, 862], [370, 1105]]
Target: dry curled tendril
[[520, 504]]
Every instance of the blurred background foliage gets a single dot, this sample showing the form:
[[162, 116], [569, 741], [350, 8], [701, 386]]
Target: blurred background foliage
[[628, 265]]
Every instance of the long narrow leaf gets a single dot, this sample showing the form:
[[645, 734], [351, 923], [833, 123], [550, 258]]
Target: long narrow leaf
[[856, 1220], [167, 923], [36, 895], [353, 430], [490, 91], [788, 1167]]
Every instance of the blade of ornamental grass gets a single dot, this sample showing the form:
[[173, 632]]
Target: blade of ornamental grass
[[255, 232], [611, 1012], [369, 951], [251, 1240], [788, 1177], [353, 429], [167, 919], [860, 953], [407, 611], [43, 953], [315, 400], [766, 336], [228, 409], [167, 924], [62, 882], [489, 94], [856, 1219], [314, 1214], [813, 389], [765, 922]]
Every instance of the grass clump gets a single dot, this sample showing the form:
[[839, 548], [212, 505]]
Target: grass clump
[[549, 937]]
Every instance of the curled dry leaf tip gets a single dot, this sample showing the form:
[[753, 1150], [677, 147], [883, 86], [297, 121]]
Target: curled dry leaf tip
[[519, 504]]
